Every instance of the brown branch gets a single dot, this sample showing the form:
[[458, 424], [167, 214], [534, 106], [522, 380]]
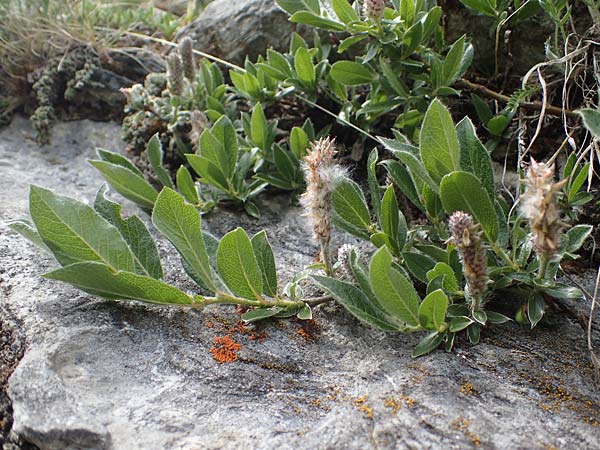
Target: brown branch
[[535, 106]]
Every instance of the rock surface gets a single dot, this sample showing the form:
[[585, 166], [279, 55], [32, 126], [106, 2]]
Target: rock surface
[[104, 375], [234, 29]]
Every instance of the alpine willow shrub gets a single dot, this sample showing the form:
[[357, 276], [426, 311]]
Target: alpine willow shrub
[[116, 258], [474, 248], [440, 277]]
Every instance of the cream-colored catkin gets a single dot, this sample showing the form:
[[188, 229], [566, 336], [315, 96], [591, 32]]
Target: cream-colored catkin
[[321, 174], [187, 58], [466, 236], [373, 9], [539, 206], [175, 74]]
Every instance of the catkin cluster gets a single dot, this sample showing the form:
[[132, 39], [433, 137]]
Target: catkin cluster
[[180, 65], [466, 236]]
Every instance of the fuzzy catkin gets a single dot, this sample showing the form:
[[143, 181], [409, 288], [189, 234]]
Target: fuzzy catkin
[[538, 205], [187, 58], [322, 175], [175, 74], [466, 236], [373, 9]]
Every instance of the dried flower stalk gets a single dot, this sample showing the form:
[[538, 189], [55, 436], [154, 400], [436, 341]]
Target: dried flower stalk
[[322, 174], [539, 206], [466, 236]]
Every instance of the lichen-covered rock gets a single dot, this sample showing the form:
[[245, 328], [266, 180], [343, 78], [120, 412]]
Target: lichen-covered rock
[[234, 29], [104, 375]]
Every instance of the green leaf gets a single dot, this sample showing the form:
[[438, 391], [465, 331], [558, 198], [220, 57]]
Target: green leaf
[[298, 142], [127, 183], [393, 290], [356, 302], [304, 66], [459, 323], [27, 230], [224, 133], [591, 120], [418, 265], [449, 283], [256, 314], [258, 127], [305, 313], [474, 332], [292, 6], [404, 180], [576, 236], [208, 171], [316, 21], [351, 73], [154, 152], [102, 280], [497, 124], [462, 191], [428, 344], [344, 11], [350, 205], [453, 61], [373, 182], [496, 318], [393, 222], [563, 291], [186, 186], [266, 261], [135, 233], [119, 160], [74, 232], [432, 311], [238, 265], [535, 308], [180, 223], [474, 156], [440, 150]]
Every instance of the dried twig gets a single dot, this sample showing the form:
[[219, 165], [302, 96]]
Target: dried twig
[[533, 106]]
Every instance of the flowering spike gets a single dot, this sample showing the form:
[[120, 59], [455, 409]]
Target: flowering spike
[[466, 236], [538, 205], [175, 74], [373, 9], [322, 175], [187, 58]]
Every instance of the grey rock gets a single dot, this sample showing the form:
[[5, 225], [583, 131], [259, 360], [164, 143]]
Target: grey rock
[[234, 29], [106, 375]]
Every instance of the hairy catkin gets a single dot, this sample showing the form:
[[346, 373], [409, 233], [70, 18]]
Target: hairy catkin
[[175, 74], [466, 236], [539, 206], [322, 174]]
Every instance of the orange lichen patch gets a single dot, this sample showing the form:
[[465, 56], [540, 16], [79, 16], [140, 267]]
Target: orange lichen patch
[[361, 405], [409, 402], [308, 330], [225, 349], [209, 324], [391, 403], [469, 389], [462, 424]]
